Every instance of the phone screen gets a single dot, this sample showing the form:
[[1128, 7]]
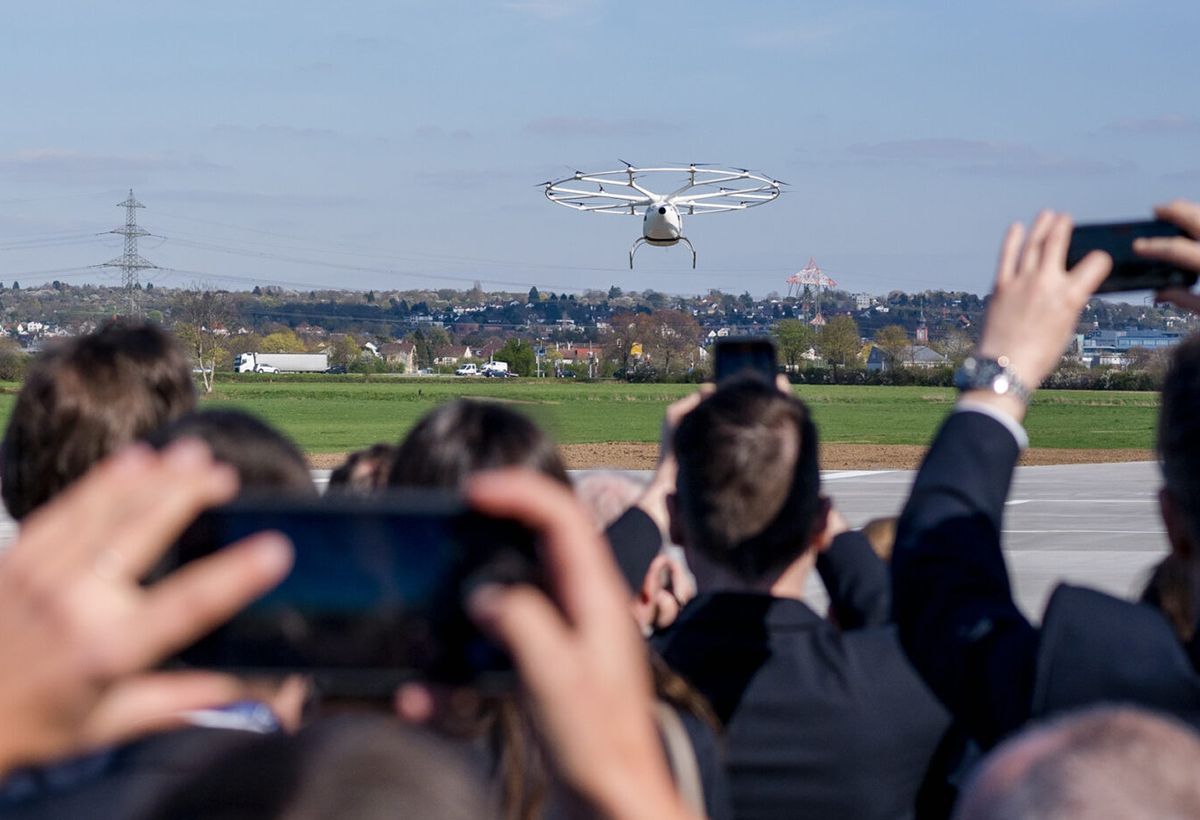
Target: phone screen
[[734, 356], [1130, 271], [376, 594]]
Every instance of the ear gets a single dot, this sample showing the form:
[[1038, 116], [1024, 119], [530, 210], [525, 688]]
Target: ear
[[675, 529], [821, 534], [1179, 531]]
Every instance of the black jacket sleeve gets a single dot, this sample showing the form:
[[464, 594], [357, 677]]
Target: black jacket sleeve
[[952, 601], [859, 583]]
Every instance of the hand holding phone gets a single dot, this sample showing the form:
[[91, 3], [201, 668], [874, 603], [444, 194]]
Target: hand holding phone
[[1183, 251], [1131, 270]]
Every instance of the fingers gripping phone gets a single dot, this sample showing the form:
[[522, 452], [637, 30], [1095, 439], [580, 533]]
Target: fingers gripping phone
[[1130, 271], [736, 355], [376, 595]]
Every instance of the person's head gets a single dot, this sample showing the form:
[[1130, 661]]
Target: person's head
[[262, 456], [85, 399], [747, 496], [1179, 450], [1119, 763], [464, 437], [364, 471], [365, 768]]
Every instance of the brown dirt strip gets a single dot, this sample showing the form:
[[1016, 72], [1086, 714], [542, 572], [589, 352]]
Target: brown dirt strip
[[630, 455]]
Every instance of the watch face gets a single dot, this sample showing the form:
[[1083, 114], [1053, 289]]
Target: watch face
[[978, 374]]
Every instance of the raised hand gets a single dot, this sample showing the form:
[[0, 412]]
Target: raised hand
[[1036, 303], [77, 630], [581, 661]]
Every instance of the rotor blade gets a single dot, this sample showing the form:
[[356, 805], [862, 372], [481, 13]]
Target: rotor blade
[[567, 194], [757, 194]]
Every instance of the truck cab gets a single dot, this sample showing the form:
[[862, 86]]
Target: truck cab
[[244, 363]]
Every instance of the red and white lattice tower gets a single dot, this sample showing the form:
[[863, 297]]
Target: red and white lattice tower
[[808, 284]]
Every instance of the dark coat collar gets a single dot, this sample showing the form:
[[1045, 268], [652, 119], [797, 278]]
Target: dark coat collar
[[732, 609]]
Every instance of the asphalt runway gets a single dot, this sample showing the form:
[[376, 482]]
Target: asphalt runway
[[1093, 524], [1088, 524]]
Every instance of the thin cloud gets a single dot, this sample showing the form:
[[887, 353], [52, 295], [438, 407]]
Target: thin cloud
[[595, 127], [792, 37], [256, 198], [1162, 124], [984, 158], [54, 165], [943, 149], [550, 9], [287, 132], [291, 132], [436, 132], [457, 179]]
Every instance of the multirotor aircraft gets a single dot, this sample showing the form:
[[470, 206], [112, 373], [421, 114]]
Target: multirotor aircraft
[[705, 190]]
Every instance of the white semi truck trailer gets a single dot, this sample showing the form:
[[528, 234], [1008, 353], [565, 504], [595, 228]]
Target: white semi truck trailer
[[281, 363]]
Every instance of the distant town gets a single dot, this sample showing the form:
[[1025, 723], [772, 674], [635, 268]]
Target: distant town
[[643, 335]]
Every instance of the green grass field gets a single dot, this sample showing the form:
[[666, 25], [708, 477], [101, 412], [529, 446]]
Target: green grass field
[[332, 417]]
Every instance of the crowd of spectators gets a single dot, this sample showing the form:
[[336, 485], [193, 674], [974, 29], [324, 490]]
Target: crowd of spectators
[[666, 666]]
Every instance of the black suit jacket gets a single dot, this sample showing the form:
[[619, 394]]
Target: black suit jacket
[[963, 631], [819, 723], [134, 778]]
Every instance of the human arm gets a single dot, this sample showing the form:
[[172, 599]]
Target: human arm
[[951, 596], [581, 661], [858, 581], [77, 630], [653, 501]]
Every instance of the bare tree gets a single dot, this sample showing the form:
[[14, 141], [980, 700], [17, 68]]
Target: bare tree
[[673, 336], [201, 317]]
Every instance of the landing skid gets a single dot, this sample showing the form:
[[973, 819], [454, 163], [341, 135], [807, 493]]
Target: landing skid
[[641, 240]]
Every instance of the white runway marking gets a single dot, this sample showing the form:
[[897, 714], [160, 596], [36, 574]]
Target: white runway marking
[[838, 475], [1094, 532]]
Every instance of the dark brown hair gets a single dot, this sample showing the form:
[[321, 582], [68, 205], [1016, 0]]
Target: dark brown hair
[[464, 437], [263, 457], [85, 399], [748, 489], [364, 471]]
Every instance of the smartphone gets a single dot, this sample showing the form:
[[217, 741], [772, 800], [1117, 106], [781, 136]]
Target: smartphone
[[1130, 271], [376, 595], [736, 355]]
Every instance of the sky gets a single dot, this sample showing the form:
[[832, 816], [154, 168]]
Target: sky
[[400, 144]]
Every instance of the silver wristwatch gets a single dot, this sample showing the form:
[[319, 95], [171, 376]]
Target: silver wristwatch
[[979, 373]]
